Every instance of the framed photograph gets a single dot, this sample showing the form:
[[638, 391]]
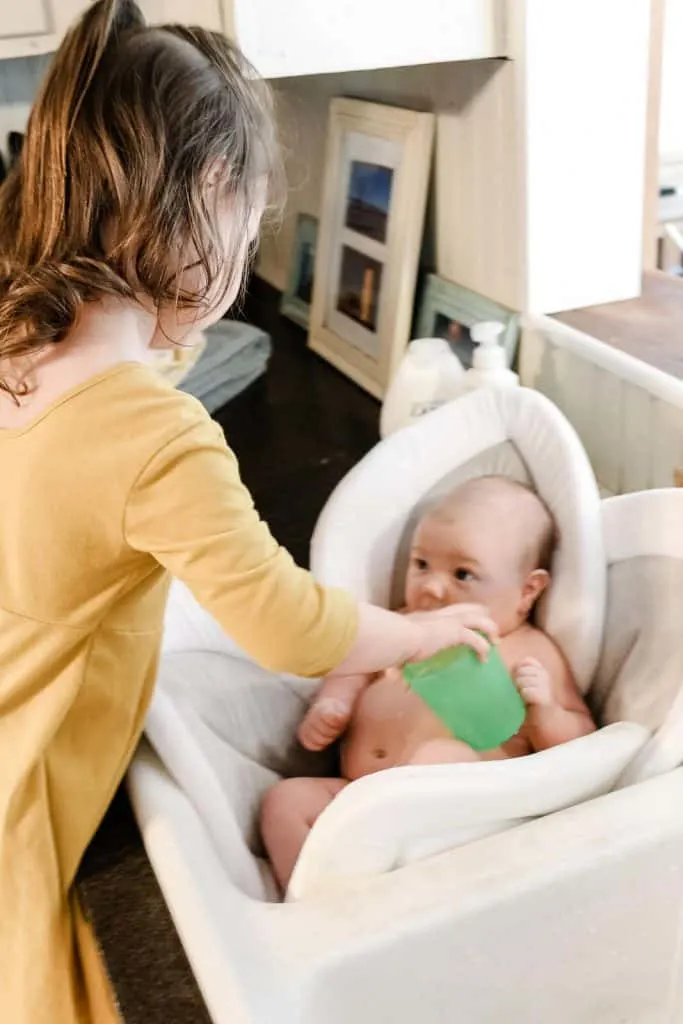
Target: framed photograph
[[374, 196], [449, 311], [296, 300]]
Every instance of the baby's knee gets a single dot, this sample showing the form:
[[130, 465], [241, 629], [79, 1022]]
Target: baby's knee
[[299, 799], [286, 801], [280, 800]]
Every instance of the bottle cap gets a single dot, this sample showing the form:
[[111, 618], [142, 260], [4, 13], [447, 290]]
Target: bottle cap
[[489, 354], [425, 351]]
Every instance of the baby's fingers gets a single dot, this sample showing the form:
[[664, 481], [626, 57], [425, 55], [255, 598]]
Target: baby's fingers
[[526, 674], [476, 616], [529, 665]]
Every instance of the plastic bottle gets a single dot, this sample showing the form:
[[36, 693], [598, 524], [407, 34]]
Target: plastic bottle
[[489, 367], [429, 375]]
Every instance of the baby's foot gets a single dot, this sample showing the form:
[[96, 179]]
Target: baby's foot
[[325, 721]]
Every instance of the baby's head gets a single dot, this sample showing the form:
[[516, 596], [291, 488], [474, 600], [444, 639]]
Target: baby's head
[[489, 541]]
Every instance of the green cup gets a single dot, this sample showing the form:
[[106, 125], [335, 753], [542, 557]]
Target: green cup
[[476, 700]]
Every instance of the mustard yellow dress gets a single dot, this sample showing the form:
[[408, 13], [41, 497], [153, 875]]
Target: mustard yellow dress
[[119, 484]]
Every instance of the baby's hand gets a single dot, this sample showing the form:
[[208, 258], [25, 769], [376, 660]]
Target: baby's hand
[[325, 721], [534, 683]]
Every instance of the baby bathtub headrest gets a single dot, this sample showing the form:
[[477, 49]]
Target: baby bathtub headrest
[[361, 536], [640, 674]]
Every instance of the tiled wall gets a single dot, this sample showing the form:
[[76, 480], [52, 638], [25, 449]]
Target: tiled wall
[[19, 80]]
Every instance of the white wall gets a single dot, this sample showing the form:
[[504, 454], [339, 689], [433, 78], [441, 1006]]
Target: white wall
[[585, 66], [671, 114]]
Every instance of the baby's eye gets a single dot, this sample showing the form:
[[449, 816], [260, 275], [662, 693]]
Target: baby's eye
[[463, 575], [421, 564]]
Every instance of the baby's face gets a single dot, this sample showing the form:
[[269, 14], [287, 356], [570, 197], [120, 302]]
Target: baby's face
[[474, 556]]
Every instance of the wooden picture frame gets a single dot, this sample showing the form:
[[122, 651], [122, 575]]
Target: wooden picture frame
[[445, 305], [377, 171], [296, 299]]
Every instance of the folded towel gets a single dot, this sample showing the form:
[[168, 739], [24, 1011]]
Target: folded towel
[[235, 355]]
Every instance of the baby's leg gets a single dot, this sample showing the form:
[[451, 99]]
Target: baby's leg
[[288, 813]]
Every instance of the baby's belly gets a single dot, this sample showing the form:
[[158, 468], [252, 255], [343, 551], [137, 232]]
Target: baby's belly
[[389, 723]]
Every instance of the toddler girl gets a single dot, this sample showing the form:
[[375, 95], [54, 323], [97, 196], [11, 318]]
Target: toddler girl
[[125, 226]]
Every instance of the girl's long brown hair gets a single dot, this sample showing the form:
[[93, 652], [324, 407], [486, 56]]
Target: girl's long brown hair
[[111, 186]]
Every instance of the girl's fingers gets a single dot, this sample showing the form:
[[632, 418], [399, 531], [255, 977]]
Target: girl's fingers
[[473, 616], [477, 642]]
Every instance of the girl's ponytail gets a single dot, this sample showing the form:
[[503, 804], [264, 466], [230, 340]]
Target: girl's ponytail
[[43, 283], [56, 110], [110, 191]]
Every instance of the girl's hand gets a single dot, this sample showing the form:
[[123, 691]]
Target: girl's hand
[[452, 626], [385, 639]]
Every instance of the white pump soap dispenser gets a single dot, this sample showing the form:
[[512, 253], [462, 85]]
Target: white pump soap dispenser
[[489, 365]]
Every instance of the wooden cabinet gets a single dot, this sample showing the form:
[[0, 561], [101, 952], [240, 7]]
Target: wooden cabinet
[[37, 26], [285, 38], [206, 13], [29, 18], [29, 26]]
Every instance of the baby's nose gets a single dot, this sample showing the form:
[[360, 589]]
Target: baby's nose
[[436, 586], [433, 594]]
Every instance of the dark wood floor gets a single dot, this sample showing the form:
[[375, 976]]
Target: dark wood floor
[[296, 432]]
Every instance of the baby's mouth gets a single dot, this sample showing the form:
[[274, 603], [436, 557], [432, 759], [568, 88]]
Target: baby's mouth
[[431, 604]]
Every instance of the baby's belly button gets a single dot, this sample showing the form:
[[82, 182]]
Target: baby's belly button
[[359, 758]]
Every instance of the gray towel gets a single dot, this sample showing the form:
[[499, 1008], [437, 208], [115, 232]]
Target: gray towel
[[236, 354]]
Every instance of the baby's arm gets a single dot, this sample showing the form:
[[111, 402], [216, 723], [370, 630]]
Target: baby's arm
[[330, 713], [556, 712]]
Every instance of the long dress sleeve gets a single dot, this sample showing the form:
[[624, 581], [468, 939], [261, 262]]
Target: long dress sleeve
[[189, 509]]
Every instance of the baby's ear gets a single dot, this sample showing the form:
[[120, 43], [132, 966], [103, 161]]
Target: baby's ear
[[534, 585]]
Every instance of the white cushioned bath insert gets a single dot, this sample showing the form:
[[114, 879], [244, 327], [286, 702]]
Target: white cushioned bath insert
[[359, 541], [225, 729], [392, 818], [640, 675]]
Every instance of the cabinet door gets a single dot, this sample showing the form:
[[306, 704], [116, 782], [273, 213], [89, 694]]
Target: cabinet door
[[206, 13], [26, 18], [311, 37]]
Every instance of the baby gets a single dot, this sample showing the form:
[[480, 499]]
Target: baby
[[488, 543]]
